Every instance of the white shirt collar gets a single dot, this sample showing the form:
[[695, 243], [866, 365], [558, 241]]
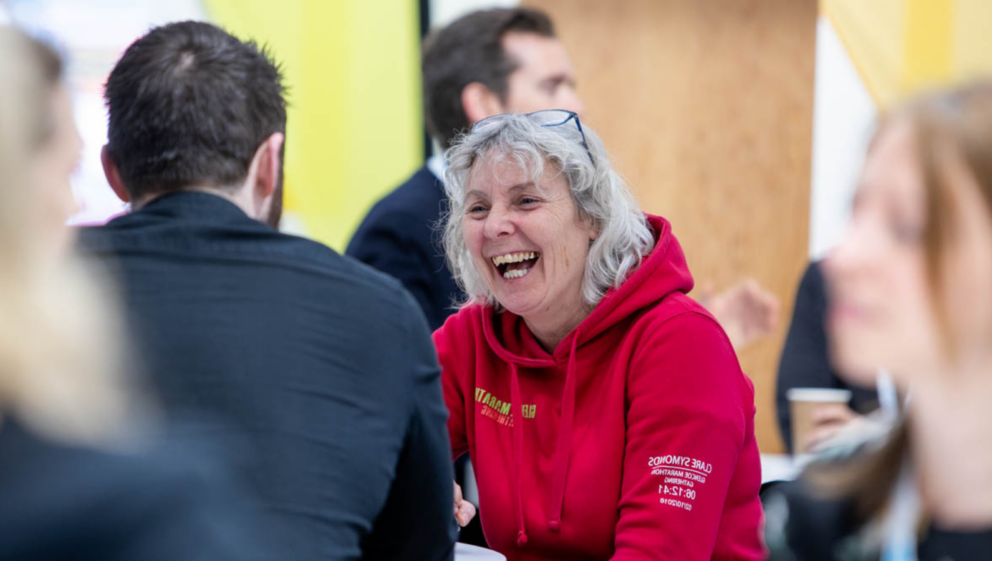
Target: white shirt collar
[[437, 165]]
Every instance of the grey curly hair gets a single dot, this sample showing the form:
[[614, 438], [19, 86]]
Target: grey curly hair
[[599, 193]]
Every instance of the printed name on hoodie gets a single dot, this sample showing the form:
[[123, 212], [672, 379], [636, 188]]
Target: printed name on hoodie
[[499, 410], [683, 477]]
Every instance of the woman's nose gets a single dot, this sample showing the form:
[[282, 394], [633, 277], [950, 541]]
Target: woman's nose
[[858, 249], [499, 224]]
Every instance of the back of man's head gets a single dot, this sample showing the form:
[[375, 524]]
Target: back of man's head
[[189, 106], [471, 50]]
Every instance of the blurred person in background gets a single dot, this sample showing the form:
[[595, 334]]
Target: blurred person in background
[[604, 411], [486, 63], [69, 489], [313, 375], [805, 364], [909, 292]]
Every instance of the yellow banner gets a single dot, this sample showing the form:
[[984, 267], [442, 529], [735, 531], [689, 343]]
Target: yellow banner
[[902, 46]]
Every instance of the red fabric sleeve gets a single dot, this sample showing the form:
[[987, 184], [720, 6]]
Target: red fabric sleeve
[[454, 396], [687, 409]]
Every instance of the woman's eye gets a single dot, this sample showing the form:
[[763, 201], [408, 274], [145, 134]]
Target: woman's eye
[[476, 209], [528, 201]]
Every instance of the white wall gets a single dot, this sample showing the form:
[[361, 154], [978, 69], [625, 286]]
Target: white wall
[[843, 120], [444, 12], [92, 35]]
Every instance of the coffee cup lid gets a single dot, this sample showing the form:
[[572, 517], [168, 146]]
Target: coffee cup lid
[[832, 395]]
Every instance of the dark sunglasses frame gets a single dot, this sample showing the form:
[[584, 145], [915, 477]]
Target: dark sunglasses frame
[[540, 118]]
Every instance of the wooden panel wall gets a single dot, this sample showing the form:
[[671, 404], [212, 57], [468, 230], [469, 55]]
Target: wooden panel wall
[[706, 106]]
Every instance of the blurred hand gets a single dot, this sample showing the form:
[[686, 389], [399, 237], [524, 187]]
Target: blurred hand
[[828, 421], [746, 311], [464, 510]]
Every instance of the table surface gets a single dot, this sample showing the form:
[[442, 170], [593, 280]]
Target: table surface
[[779, 467], [465, 552]]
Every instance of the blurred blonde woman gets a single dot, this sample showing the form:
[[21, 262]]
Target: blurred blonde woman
[[61, 389], [909, 291], [59, 362]]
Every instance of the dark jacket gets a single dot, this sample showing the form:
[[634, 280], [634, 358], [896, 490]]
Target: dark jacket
[[401, 237], [313, 374], [801, 526], [63, 502], [805, 363]]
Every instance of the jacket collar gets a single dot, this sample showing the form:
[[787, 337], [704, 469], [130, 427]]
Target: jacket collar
[[196, 206]]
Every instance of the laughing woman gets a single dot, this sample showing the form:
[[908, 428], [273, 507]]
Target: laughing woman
[[604, 411]]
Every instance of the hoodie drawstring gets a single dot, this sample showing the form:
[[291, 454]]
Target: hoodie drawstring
[[518, 451], [563, 452]]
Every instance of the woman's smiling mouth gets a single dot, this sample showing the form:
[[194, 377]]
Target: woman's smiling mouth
[[515, 265]]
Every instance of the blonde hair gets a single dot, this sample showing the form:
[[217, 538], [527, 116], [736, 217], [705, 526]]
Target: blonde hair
[[60, 365]]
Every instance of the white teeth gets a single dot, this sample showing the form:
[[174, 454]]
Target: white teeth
[[515, 274], [513, 257]]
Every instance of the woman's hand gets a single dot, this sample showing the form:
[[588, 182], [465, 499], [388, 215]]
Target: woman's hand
[[828, 422], [464, 510]]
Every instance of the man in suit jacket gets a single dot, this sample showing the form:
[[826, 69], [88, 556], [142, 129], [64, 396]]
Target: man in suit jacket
[[486, 63], [313, 375]]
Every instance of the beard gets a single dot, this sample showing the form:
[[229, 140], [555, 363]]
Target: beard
[[275, 207]]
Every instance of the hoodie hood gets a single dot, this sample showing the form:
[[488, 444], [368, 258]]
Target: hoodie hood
[[663, 271]]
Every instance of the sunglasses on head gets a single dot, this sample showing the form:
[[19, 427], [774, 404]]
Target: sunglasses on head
[[545, 118]]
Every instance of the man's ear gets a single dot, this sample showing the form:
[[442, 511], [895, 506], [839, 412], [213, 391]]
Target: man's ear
[[268, 165], [480, 102], [113, 175]]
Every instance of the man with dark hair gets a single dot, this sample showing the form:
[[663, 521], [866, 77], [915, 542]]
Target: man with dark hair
[[214, 128], [486, 63], [314, 375], [492, 62]]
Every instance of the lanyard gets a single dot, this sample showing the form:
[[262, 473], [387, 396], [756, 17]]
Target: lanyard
[[899, 527]]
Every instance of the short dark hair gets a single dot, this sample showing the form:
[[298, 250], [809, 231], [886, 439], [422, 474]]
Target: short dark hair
[[190, 104], [470, 50]]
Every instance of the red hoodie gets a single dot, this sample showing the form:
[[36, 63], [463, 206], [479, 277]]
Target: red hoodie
[[633, 440]]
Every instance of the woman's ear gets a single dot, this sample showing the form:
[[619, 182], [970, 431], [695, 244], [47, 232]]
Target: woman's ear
[[593, 234], [590, 224]]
